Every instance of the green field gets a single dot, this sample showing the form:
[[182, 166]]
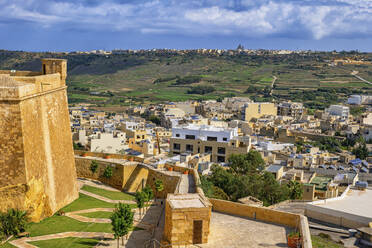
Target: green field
[[123, 80]]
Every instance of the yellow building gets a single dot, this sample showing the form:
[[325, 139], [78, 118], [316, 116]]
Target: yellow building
[[146, 147], [187, 219], [258, 110], [320, 188]]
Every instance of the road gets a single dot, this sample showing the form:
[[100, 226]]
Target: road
[[272, 85], [354, 73]]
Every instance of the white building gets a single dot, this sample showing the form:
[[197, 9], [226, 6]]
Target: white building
[[108, 142], [204, 132], [359, 99], [338, 110], [355, 99]]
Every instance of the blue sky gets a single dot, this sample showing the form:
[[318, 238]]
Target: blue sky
[[68, 25]]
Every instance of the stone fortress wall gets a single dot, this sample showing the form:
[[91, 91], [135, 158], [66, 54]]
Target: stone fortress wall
[[127, 176], [37, 166]]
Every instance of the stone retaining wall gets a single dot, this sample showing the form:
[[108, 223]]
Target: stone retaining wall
[[265, 214]]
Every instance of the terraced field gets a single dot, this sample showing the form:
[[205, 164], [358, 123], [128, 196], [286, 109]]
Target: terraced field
[[122, 80]]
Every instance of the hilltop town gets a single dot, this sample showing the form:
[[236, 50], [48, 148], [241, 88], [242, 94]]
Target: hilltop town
[[226, 172]]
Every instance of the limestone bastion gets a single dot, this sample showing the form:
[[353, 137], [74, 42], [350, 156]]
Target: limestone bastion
[[37, 166]]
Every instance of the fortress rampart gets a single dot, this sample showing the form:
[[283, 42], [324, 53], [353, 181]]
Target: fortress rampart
[[37, 166]]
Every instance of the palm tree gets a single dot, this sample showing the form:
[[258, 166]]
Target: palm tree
[[13, 222]]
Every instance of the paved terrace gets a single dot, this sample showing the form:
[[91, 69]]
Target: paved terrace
[[356, 202], [228, 231]]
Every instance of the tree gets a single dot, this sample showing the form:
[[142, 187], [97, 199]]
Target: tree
[[201, 89], [361, 151], [13, 222], [155, 119], [251, 89], [140, 199], [107, 172], [93, 166], [246, 163], [295, 190], [149, 194], [118, 226], [124, 211], [159, 187]]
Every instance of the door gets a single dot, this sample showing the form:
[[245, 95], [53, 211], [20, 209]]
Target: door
[[197, 232]]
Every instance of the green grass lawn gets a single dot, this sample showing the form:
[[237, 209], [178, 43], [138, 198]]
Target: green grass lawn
[[86, 202], [319, 242], [98, 214], [7, 245], [58, 224], [113, 195], [66, 243]]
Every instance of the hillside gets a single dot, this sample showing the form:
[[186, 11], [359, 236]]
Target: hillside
[[107, 80]]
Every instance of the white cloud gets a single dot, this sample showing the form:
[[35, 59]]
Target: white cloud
[[318, 19]]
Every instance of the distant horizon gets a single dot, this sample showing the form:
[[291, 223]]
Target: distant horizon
[[85, 25], [182, 49]]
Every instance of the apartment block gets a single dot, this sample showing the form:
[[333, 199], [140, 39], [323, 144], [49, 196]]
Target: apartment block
[[258, 110], [219, 142], [293, 109], [338, 111]]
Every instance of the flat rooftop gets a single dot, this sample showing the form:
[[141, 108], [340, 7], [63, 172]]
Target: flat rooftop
[[355, 202], [321, 182], [204, 128], [179, 201]]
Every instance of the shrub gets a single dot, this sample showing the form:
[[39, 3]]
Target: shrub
[[108, 172], [201, 89], [188, 80], [94, 166], [324, 235]]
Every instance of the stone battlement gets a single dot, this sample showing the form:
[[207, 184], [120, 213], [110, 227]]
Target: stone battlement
[[17, 85]]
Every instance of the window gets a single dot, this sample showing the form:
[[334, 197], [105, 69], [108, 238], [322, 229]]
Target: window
[[190, 136], [221, 150], [177, 135], [138, 137], [208, 149], [176, 146], [220, 159], [224, 139], [209, 138], [307, 190], [189, 148]]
